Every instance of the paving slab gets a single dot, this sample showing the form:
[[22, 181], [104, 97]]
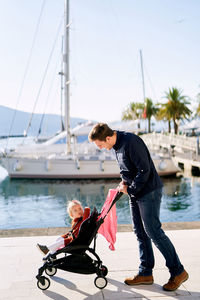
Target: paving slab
[[20, 260]]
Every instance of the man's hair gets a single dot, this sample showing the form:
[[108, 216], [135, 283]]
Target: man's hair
[[100, 132]]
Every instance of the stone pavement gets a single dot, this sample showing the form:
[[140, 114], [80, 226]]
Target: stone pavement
[[20, 260]]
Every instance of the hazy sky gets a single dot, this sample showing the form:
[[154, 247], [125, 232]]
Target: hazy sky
[[106, 36]]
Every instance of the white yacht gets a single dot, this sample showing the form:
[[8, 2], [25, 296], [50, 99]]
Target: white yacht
[[51, 160]]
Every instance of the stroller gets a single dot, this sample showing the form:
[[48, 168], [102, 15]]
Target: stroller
[[75, 258]]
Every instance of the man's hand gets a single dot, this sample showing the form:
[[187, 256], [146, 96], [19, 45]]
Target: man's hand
[[123, 187]]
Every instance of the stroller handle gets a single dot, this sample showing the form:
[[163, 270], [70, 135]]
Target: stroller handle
[[117, 197]]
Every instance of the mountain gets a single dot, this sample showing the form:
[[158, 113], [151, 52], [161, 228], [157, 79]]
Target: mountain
[[51, 123]]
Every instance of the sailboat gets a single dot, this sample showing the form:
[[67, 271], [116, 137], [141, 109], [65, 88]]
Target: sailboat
[[51, 160], [62, 156]]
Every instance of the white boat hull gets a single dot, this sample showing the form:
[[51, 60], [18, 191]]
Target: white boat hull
[[19, 167], [165, 166], [60, 168]]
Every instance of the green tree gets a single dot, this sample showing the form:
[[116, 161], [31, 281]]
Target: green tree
[[198, 110], [133, 112], [164, 113], [175, 108], [198, 107], [149, 110]]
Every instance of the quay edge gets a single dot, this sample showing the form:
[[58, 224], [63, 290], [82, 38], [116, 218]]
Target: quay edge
[[53, 231]]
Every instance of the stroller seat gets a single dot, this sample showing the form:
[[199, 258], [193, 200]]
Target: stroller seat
[[87, 232]]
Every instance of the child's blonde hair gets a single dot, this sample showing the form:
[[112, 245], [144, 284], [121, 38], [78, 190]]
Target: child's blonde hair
[[72, 204]]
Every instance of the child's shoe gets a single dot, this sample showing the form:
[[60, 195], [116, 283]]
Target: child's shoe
[[43, 249]]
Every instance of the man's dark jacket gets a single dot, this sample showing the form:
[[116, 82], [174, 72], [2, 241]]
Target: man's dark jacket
[[136, 165]]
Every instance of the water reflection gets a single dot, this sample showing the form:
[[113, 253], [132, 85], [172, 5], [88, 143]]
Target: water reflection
[[177, 193], [181, 201], [42, 203]]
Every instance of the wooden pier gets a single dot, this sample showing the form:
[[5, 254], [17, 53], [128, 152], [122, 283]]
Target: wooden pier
[[185, 162], [185, 151]]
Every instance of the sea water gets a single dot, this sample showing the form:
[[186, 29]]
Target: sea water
[[26, 203]]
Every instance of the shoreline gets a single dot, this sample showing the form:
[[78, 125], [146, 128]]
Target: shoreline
[[51, 231]]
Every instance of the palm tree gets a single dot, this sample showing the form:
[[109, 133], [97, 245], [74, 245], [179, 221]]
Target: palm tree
[[176, 107], [164, 113], [198, 108], [149, 110], [133, 111]]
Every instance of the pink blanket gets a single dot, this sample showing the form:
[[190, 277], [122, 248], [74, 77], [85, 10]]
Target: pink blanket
[[109, 228]]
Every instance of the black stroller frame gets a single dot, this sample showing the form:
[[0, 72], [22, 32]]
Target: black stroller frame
[[75, 258]]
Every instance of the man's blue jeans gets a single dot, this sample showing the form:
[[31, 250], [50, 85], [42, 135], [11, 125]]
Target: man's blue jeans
[[145, 213]]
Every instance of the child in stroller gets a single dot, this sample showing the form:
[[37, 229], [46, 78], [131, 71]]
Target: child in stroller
[[76, 213], [75, 258]]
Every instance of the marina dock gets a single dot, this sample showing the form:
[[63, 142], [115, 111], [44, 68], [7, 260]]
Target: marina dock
[[184, 150]]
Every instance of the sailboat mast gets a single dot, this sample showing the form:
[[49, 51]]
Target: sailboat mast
[[143, 87], [142, 70], [66, 74]]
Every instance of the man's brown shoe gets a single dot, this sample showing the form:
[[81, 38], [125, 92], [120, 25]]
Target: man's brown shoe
[[138, 279], [175, 282]]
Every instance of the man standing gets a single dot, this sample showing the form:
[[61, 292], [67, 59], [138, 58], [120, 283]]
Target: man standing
[[141, 182]]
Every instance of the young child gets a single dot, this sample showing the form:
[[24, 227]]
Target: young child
[[76, 213]]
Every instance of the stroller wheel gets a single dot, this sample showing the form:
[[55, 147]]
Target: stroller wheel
[[104, 270], [100, 282], [50, 271], [43, 283]]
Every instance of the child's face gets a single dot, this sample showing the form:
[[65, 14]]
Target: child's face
[[76, 211]]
